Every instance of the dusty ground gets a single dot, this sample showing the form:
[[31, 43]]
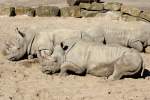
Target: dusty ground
[[23, 81]]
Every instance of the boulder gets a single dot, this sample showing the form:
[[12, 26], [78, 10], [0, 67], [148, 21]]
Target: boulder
[[114, 6], [77, 2], [31, 12], [72, 11], [85, 13], [25, 11], [126, 17], [9, 11], [145, 15], [94, 6], [86, 6], [130, 10], [46, 11], [97, 6], [100, 14], [20, 10]]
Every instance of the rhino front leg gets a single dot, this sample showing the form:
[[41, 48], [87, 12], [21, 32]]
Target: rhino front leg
[[68, 66], [136, 45]]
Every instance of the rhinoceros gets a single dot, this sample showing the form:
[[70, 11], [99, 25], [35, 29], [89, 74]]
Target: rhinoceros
[[129, 34], [34, 44], [91, 58]]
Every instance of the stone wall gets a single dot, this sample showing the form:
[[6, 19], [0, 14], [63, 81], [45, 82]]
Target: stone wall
[[125, 12]]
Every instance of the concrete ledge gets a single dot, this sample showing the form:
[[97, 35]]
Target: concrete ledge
[[128, 13]]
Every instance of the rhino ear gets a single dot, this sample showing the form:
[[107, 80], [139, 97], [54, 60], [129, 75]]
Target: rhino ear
[[18, 31], [63, 47]]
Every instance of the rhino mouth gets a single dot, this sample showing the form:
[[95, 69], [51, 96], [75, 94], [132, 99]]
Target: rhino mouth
[[16, 56]]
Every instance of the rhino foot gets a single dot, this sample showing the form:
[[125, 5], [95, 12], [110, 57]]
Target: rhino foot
[[136, 45], [114, 76], [63, 74]]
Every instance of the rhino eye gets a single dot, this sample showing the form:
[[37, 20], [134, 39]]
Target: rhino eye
[[18, 48]]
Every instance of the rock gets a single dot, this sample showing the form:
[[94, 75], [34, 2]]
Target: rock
[[73, 2], [25, 11], [45, 11], [73, 11], [65, 11], [85, 6], [130, 10], [115, 6], [20, 10], [145, 15], [31, 12], [85, 13], [96, 6], [10, 11], [77, 2], [147, 49], [100, 14]]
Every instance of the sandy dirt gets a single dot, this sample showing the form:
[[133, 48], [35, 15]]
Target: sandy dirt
[[25, 81]]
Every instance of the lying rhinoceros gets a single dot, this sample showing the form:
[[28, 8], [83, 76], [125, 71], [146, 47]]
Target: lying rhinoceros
[[31, 44], [129, 34], [99, 60]]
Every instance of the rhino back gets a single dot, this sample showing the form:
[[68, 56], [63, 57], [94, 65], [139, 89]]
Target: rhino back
[[86, 53], [45, 38], [63, 34], [121, 32], [105, 54]]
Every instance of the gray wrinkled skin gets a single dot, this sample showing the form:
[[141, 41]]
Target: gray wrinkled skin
[[99, 60], [39, 44], [129, 34]]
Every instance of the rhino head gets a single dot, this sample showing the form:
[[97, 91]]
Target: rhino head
[[18, 50], [53, 63]]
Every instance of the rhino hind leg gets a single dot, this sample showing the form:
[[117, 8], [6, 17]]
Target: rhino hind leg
[[68, 66], [136, 45], [128, 64]]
